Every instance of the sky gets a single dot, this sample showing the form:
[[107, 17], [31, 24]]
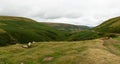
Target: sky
[[78, 12]]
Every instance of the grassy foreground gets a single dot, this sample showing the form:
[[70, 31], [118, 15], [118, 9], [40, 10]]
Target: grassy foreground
[[77, 52]]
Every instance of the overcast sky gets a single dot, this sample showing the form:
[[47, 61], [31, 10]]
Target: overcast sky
[[79, 12]]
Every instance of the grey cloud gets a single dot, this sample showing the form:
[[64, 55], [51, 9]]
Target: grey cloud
[[55, 13], [80, 12]]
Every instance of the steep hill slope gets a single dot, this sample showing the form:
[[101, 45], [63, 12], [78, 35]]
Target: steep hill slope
[[111, 25], [66, 27], [23, 30]]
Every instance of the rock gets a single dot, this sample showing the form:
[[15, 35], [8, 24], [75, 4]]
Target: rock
[[105, 38], [25, 46], [47, 59], [21, 63], [33, 42]]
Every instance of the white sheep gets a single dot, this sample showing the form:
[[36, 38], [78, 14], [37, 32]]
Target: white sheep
[[29, 44], [25, 46]]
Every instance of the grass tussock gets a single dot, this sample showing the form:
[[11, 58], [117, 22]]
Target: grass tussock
[[77, 52]]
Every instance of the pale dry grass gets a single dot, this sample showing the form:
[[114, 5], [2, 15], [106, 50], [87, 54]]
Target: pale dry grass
[[77, 52], [100, 56]]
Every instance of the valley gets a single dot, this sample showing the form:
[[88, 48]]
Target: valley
[[53, 45]]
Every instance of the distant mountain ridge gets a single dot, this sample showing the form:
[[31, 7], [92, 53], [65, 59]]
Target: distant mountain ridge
[[66, 27]]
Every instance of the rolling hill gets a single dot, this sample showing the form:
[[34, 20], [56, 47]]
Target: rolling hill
[[109, 28], [112, 25], [23, 30], [66, 27]]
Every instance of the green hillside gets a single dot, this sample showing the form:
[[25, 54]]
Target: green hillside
[[109, 28], [111, 25], [66, 27], [23, 30], [84, 35]]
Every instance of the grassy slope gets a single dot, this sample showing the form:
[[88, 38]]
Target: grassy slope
[[18, 29], [110, 28], [79, 52], [111, 25], [83, 35], [66, 27]]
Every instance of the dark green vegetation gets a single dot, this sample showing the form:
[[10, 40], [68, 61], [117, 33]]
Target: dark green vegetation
[[84, 35], [23, 30], [66, 27], [110, 26]]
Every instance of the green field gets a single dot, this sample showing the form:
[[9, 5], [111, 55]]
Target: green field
[[77, 52]]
